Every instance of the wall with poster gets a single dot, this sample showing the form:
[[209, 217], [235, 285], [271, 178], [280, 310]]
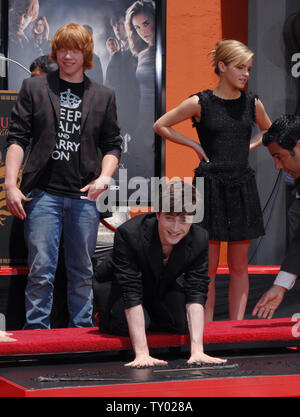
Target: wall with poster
[[128, 67], [192, 28]]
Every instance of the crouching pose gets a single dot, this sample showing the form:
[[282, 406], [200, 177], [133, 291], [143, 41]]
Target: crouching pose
[[156, 278]]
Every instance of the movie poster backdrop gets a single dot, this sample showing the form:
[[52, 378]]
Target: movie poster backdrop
[[129, 71], [12, 246]]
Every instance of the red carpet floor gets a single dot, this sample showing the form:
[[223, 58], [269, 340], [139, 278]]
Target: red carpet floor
[[252, 269], [80, 340]]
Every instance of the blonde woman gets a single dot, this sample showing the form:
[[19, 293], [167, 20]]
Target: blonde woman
[[223, 118]]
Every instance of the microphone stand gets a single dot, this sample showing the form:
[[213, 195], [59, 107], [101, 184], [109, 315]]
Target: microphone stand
[[4, 58]]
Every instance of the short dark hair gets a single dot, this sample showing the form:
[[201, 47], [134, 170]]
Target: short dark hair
[[45, 63], [285, 131], [116, 16]]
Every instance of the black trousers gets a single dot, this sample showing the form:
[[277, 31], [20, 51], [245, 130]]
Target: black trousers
[[167, 314]]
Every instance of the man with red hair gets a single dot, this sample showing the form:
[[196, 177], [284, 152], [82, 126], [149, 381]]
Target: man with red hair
[[71, 119]]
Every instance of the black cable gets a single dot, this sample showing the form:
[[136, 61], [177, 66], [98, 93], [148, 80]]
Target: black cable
[[274, 187], [270, 215]]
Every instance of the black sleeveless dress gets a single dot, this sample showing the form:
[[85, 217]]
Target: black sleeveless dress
[[232, 209]]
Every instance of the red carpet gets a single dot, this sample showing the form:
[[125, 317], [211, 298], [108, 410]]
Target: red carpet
[[80, 340], [252, 269]]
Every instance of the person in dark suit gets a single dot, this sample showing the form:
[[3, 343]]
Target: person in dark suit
[[96, 72], [156, 277], [121, 76], [74, 152], [283, 142]]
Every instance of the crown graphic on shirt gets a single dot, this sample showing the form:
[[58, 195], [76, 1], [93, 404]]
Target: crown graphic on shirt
[[70, 100]]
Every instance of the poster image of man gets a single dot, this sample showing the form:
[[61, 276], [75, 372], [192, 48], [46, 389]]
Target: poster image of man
[[124, 60], [96, 72], [21, 46], [121, 75]]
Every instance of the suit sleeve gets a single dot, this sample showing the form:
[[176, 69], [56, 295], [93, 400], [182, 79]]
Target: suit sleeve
[[111, 141], [291, 261], [196, 276], [126, 271], [20, 127]]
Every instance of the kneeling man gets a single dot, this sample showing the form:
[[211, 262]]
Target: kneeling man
[[156, 278], [283, 142]]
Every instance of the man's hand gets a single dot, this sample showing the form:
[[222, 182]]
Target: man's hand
[[200, 357], [268, 303], [145, 360], [96, 187], [14, 201]]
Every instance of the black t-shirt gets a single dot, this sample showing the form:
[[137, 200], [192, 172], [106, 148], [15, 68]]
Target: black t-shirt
[[61, 175]]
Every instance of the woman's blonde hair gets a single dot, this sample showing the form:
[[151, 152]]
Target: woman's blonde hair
[[230, 50], [74, 36]]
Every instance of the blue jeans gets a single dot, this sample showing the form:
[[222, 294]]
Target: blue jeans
[[47, 216]]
